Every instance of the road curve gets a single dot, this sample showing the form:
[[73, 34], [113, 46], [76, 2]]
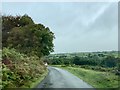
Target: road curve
[[59, 78]]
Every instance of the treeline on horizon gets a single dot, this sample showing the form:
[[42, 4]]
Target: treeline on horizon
[[93, 60], [24, 44]]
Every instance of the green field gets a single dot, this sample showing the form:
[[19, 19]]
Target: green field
[[99, 69], [96, 79]]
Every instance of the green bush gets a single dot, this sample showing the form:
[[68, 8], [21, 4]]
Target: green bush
[[21, 69]]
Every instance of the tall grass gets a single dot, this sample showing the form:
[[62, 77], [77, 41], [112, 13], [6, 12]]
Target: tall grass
[[96, 79]]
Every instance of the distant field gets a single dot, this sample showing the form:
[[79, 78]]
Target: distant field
[[112, 53], [99, 69], [95, 78]]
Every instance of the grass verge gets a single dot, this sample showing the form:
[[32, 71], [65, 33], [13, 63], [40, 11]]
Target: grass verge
[[96, 79], [33, 83], [38, 80]]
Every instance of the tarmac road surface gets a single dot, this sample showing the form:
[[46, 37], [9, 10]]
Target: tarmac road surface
[[59, 78]]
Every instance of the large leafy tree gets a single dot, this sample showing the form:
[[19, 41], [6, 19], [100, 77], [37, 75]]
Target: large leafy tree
[[9, 22], [30, 38]]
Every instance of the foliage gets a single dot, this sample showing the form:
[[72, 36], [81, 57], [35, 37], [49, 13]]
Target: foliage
[[9, 22], [21, 69], [24, 44], [91, 59], [110, 61], [25, 20], [84, 61], [21, 33]]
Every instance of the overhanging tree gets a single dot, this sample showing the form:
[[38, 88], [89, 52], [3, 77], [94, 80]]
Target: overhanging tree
[[29, 38]]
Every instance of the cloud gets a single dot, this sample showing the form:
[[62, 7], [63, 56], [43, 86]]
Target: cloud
[[98, 14], [100, 33], [107, 20], [81, 26]]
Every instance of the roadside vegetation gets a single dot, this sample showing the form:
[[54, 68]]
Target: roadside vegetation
[[97, 79], [20, 70], [24, 46], [99, 69]]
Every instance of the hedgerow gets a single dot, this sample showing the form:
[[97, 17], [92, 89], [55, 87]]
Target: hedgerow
[[18, 70]]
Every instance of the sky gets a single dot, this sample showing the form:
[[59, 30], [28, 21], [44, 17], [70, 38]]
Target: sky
[[78, 26]]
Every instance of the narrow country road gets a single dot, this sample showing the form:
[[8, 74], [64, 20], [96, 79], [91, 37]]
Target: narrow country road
[[59, 78]]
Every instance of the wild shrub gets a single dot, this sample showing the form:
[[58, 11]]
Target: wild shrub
[[25, 68]]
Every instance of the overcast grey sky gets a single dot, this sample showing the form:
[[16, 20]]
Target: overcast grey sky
[[78, 27]]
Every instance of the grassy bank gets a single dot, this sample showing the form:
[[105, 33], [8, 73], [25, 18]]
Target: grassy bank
[[96, 79], [20, 70], [36, 81]]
